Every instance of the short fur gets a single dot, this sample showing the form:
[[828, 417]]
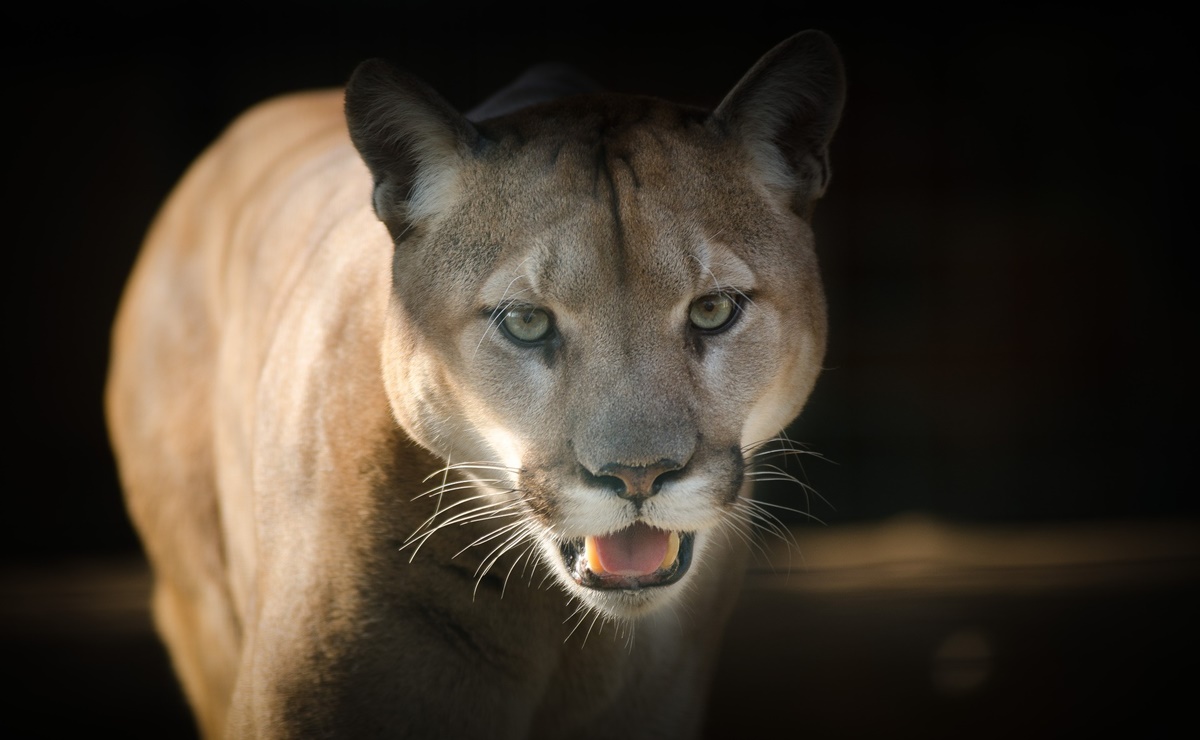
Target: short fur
[[355, 486]]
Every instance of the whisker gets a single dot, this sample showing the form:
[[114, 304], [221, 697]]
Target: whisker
[[769, 476], [479, 514], [516, 561], [424, 531], [805, 514], [744, 535], [582, 616], [457, 486], [531, 564], [758, 450], [765, 521], [461, 517], [782, 447], [494, 556], [591, 626], [494, 534], [476, 465]]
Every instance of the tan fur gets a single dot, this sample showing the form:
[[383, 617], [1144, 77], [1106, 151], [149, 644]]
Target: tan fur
[[310, 333]]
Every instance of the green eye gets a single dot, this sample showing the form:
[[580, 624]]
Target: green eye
[[527, 324], [712, 312]]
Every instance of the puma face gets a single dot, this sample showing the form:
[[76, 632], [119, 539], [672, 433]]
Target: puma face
[[602, 307]]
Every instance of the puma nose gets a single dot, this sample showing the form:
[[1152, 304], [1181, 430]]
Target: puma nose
[[638, 482]]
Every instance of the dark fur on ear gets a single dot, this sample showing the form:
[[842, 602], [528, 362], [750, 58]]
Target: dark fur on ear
[[411, 139], [785, 110]]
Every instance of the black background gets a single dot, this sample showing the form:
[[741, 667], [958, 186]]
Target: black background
[[1002, 242], [1003, 248]]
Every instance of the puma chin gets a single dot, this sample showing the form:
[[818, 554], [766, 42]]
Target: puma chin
[[402, 397]]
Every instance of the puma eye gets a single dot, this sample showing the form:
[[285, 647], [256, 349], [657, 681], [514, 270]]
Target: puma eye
[[713, 312], [527, 324]]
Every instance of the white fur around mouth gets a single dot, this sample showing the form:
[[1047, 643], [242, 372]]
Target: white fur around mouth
[[635, 558]]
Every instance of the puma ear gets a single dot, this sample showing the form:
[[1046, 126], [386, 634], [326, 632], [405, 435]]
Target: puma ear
[[785, 110], [411, 139]]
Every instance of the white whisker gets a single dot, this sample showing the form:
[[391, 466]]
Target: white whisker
[[490, 560], [752, 525], [458, 486], [462, 517], [486, 512], [582, 610], [805, 514], [516, 561], [494, 534], [596, 615]]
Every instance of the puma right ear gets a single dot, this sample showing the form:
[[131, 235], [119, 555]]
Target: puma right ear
[[785, 110], [411, 139]]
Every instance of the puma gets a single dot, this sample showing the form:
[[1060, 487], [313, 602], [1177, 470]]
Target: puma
[[444, 425]]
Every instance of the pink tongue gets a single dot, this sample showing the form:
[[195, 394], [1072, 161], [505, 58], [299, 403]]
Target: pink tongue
[[637, 551]]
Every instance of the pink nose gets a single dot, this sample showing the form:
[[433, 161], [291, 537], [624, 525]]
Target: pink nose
[[637, 483]]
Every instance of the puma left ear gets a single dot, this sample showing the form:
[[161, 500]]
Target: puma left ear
[[785, 111], [411, 139]]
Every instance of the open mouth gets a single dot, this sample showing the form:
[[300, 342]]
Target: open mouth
[[634, 558]]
